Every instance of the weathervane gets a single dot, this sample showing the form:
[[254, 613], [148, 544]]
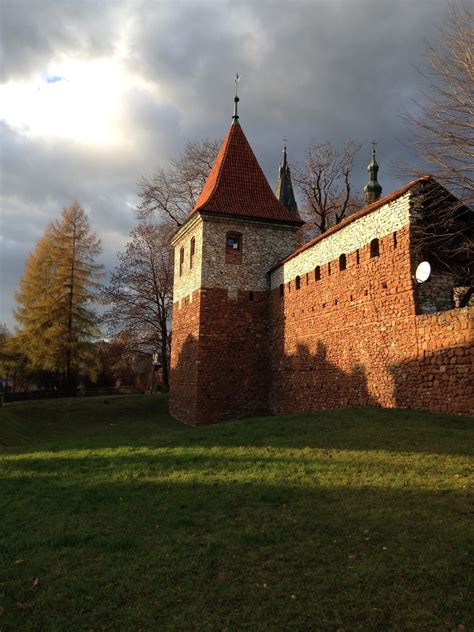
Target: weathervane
[[236, 98]]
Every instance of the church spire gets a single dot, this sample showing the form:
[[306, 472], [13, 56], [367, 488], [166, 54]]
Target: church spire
[[372, 189], [284, 188]]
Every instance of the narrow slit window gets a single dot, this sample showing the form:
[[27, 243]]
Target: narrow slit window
[[181, 261], [298, 282], [395, 241], [342, 262], [357, 257], [329, 269], [281, 289], [250, 296], [191, 253], [374, 248], [317, 273]]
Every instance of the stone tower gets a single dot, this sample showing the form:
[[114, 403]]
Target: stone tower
[[220, 366], [372, 190]]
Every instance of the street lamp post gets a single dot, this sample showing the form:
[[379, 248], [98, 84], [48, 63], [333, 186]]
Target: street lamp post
[[156, 364]]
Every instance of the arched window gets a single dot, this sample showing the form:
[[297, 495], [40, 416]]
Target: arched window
[[181, 261], [342, 262], [233, 248], [281, 289], [374, 248], [317, 273], [191, 253], [298, 282]]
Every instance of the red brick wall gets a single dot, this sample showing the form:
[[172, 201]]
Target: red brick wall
[[184, 358], [222, 370], [353, 339]]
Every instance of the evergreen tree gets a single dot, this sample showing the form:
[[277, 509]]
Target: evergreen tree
[[55, 300]]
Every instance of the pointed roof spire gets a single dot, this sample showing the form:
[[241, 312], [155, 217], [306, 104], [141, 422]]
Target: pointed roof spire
[[284, 188], [235, 116], [372, 190], [236, 184]]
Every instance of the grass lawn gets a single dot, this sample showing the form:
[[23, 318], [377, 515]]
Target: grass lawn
[[116, 517]]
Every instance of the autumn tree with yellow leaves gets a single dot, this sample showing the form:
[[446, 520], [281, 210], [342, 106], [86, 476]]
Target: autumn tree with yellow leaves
[[55, 301]]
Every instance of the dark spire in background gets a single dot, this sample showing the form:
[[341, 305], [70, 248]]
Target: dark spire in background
[[284, 188], [235, 117], [372, 190]]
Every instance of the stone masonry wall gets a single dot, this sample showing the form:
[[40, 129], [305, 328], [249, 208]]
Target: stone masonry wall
[[234, 380], [220, 354], [263, 245], [383, 221], [352, 338], [184, 361], [190, 280]]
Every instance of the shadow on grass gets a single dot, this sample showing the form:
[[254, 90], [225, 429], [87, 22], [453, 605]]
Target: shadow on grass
[[265, 554]]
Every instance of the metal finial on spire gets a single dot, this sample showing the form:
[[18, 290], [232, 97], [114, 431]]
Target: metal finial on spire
[[236, 98], [284, 153]]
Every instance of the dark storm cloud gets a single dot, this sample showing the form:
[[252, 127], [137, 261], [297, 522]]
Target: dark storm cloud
[[32, 31], [310, 70]]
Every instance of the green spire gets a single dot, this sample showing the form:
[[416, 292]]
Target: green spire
[[284, 188], [372, 190]]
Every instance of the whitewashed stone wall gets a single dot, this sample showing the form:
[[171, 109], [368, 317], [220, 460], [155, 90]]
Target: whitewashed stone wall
[[387, 219], [191, 278], [263, 245]]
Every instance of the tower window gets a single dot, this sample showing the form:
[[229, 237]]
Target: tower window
[[233, 241], [395, 241], [191, 253], [281, 289], [342, 262], [298, 282], [317, 273], [329, 269], [181, 261], [250, 296], [374, 248], [233, 248], [357, 257]]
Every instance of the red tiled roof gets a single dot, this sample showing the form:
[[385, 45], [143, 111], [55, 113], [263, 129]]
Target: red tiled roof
[[237, 185], [352, 218]]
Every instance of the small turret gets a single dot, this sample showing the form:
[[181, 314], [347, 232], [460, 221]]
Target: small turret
[[284, 188], [372, 190]]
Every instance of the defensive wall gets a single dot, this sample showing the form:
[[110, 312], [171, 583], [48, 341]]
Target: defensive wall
[[349, 328]]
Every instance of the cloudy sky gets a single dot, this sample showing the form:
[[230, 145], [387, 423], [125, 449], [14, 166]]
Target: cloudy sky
[[95, 94]]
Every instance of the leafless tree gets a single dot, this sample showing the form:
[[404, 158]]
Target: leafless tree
[[443, 135], [140, 293], [172, 192], [325, 183]]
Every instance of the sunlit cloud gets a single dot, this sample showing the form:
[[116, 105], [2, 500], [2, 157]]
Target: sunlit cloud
[[79, 100]]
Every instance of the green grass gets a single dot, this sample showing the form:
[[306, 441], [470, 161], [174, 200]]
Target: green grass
[[344, 520]]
